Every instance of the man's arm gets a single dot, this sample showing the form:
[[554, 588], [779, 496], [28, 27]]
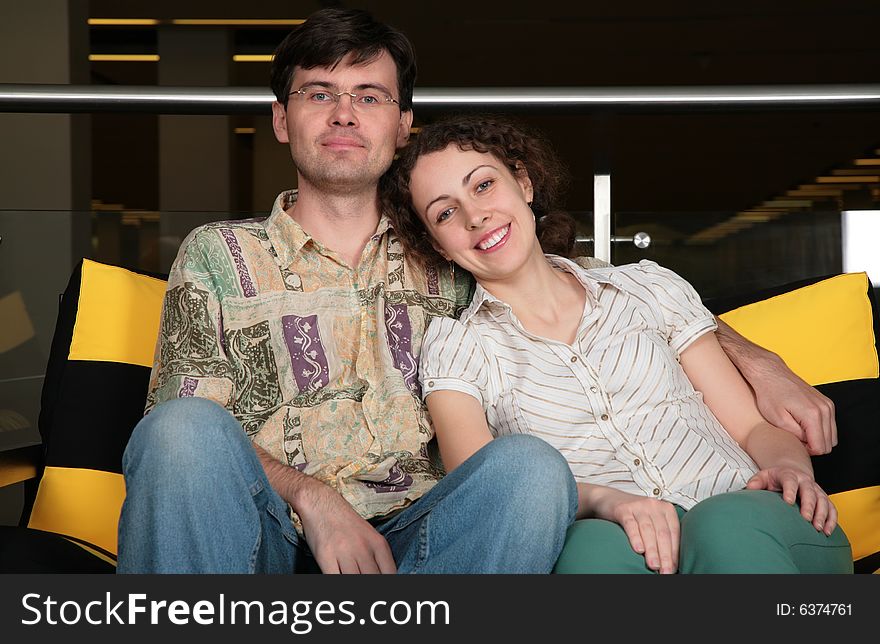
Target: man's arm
[[783, 398], [340, 539], [190, 358]]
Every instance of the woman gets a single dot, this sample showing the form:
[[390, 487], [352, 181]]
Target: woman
[[618, 368]]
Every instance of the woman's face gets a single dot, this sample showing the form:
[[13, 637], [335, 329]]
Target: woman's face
[[475, 209]]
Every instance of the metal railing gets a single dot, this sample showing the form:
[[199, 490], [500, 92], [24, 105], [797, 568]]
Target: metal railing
[[244, 100]]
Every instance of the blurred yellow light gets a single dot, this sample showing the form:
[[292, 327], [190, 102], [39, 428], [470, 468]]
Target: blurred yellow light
[[124, 58], [874, 179], [252, 58], [120, 22], [235, 22]]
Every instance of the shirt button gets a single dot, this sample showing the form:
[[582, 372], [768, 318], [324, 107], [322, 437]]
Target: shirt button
[[656, 491], [574, 358], [637, 462], [430, 383], [604, 416], [594, 389]]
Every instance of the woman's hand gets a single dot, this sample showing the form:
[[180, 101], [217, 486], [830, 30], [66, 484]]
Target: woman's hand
[[795, 484], [651, 526]]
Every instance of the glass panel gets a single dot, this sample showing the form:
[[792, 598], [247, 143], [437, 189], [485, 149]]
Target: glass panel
[[38, 251], [720, 258]]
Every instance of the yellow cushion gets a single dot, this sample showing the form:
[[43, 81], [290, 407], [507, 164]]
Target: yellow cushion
[[833, 318], [859, 516], [80, 503], [119, 314]]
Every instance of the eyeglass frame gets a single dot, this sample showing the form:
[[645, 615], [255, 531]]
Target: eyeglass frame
[[388, 99]]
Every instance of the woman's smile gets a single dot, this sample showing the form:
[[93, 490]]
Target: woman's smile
[[494, 240]]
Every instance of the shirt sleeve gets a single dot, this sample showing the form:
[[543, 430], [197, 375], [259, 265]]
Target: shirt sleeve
[[190, 357], [452, 360], [683, 312]]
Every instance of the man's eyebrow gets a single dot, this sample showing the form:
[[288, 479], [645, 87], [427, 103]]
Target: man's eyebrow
[[319, 83], [378, 86], [464, 182]]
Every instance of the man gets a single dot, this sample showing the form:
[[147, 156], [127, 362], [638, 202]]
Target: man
[[284, 429], [307, 327]]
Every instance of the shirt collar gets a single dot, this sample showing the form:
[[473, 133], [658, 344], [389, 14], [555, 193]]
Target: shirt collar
[[286, 235], [589, 279]]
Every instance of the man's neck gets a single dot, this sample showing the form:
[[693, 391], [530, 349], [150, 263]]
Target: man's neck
[[342, 223]]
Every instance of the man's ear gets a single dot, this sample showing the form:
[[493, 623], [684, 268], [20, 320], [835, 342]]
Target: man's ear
[[279, 122], [525, 183], [403, 128]]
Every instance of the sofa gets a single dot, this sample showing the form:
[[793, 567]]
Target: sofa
[[825, 328]]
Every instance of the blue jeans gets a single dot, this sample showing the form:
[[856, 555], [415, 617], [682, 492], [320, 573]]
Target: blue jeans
[[198, 501]]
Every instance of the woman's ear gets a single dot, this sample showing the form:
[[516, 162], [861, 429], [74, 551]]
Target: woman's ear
[[440, 250], [525, 183]]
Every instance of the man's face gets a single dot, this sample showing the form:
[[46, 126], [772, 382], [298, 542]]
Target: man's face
[[343, 146]]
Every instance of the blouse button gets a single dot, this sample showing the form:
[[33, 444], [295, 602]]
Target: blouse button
[[604, 416], [637, 462], [594, 389], [430, 383], [574, 358], [656, 491]]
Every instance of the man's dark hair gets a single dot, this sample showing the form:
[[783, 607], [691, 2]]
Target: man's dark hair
[[329, 35]]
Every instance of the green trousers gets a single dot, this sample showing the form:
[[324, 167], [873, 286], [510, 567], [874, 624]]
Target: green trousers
[[747, 531]]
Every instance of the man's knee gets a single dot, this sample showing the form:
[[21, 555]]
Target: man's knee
[[528, 461], [531, 473], [178, 432]]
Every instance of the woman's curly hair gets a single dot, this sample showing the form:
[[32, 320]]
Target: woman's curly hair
[[512, 144]]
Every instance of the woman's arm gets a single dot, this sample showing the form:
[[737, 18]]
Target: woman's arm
[[651, 526], [459, 424], [782, 397], [783, 459]]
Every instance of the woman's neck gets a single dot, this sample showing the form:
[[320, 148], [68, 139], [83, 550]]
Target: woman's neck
[[547, 301]]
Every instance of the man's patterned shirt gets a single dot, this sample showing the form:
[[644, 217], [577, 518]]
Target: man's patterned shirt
[[317, 360]]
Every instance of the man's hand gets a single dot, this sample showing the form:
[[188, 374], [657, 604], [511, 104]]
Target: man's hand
[[783, 398], [794, 484], [788, 402], [340, 539]]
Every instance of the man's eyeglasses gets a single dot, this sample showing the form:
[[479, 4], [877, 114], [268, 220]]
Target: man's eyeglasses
[[365, 101]]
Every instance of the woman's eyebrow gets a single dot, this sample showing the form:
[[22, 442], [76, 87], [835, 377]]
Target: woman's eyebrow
[[434, 200], [467, 177], [464, 182]]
